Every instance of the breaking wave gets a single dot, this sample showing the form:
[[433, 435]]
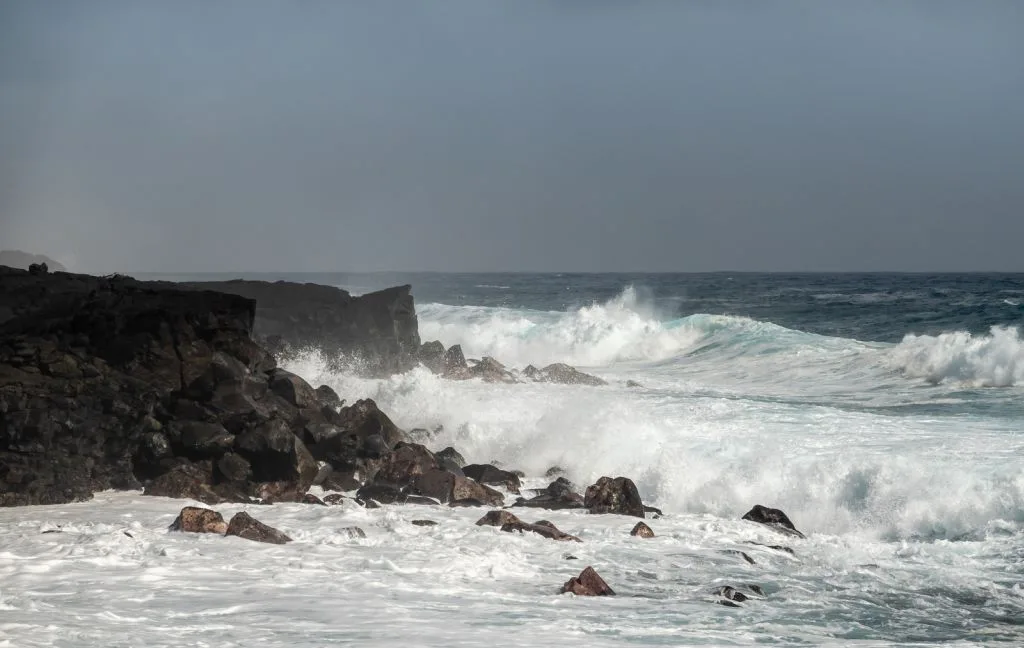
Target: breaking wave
[[992, 360]]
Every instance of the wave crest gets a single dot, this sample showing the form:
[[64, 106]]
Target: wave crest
[[992, 360], [625, 328]]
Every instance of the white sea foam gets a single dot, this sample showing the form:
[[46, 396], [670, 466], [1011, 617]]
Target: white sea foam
[[624, 328], [992, 360]]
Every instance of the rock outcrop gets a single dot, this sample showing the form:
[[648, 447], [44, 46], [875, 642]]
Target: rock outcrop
[[199, 520], [588, 583], [245, 526], [618, 495], [563, 374], [112, 383], [641, 530], [376, 333]]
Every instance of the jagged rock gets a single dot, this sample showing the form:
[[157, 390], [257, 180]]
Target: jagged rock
[[115, 383], [245, 526], [407, 462], [455, 362], [618, 495], [276, 454], [563, 374], [588, 583], [375, 334], [451, 454], [199, 520], [774, 519], [642, 530], [487, 369], [493, 476], [292, 388], [431, 356], [498, 519]]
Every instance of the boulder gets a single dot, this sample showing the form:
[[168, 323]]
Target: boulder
[[498, 518], [490, 370], [493, 476], [445, 487], [588, 583], [199, 520], [641, 530], [618, 495], [455, 362], [431, 356], [275, 454], [245, 526], [407, 462], [292, 388], [451, 454], [774, 519]]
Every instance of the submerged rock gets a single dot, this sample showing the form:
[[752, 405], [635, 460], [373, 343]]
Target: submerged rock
[[194, 519], [588, 583], [508, 522], [245, 526], [642, 530], [774, 519], [618, 495], [563, 374]]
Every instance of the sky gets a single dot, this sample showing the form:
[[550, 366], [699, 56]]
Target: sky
[[484, 135]]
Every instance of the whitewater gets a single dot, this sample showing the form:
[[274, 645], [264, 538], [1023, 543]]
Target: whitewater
[[884, 414]]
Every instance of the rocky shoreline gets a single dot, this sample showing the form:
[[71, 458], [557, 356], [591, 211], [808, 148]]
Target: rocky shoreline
[[114, 383]]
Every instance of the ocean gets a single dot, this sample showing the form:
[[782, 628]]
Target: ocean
[[884, 413]]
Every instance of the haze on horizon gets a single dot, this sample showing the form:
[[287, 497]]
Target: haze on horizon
[[513, 136]]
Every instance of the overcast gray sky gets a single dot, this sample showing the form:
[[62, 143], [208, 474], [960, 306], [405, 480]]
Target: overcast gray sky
[[476, 135]]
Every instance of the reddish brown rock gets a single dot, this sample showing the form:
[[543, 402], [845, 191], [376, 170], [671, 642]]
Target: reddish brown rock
[[498, 519], [194, 519], [641, 530], [618, 495], [245, 526], [588, 583]]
